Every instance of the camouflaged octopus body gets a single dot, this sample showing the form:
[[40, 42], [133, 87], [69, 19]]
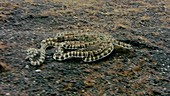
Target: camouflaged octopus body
[[89, 46]]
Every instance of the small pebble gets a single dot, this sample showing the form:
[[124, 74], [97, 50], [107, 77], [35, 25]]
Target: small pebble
[[27, 66], [7, 94], [38, 70]]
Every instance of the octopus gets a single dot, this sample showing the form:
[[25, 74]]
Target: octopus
[[88, 46]]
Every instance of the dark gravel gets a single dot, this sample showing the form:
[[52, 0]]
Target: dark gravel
[[145, 24]]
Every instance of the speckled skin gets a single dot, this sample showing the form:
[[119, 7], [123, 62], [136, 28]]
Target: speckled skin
[[89, 46]]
